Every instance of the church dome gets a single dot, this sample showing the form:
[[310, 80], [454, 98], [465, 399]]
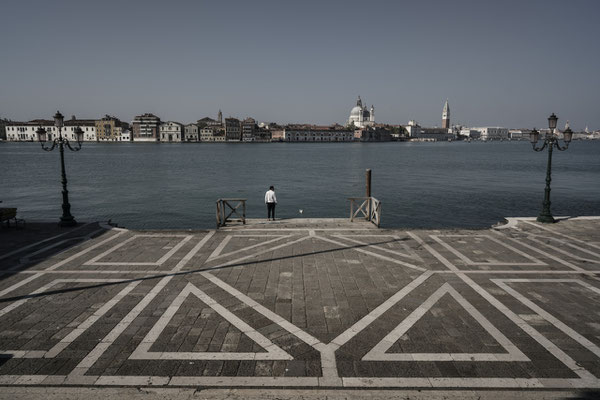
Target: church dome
[[360, 116], [356, 111]]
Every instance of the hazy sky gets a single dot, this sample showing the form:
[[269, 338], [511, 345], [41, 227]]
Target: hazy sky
[[507, 63]]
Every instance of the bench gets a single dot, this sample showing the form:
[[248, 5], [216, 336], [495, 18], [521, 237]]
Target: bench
[[8, 214]]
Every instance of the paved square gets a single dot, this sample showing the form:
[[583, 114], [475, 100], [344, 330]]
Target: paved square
[[323, 303]]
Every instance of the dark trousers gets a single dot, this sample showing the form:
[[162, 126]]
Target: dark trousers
[[271, 210]]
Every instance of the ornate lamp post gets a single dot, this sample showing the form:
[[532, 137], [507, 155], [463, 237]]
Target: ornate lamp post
[[66, 219], [550, 141]]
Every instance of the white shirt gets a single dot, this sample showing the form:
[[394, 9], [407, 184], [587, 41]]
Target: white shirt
[[270, 197]]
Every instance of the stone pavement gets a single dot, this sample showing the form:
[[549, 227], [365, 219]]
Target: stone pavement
[[307, 304]]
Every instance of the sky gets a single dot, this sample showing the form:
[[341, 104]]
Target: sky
[[499, 63]]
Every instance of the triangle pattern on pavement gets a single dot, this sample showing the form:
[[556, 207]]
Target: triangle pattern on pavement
[[406, 252], [376, 255], [142, 352], [218, 252], [379, 352]]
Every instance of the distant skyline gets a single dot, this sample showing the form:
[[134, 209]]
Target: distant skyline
[[508, 63]]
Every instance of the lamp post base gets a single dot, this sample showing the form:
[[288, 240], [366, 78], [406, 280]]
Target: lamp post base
[[546, 219], [67, 221]]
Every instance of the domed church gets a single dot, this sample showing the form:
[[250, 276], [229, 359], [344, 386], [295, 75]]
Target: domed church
[[360, 117]]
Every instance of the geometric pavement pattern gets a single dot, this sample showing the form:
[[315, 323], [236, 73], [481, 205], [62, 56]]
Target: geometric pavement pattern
[[343, 305]]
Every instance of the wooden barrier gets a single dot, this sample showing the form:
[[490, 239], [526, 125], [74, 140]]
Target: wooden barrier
[[226, 208], [367, 207]]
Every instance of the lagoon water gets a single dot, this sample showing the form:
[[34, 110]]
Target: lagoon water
[[420, 185]]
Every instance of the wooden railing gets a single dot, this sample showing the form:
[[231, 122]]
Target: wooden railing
[[226, 208], [367, 207]]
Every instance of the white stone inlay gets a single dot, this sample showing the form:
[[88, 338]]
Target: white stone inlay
[[573, 239], [258, 253], [142, 352], [76, 332], [411, 255], [93, 356], [22, 249], [546, 315], [586, 377], [218, 251], [376, 255], [468, 261], [543, 252], [378, 353], [161, 261]]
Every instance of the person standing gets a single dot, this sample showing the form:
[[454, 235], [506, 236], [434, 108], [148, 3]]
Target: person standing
[[270, 201]]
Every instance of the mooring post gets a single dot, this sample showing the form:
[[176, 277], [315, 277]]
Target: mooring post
[[368, 184]]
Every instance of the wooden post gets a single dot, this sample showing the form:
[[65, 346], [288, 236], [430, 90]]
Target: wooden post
[[368, 183]]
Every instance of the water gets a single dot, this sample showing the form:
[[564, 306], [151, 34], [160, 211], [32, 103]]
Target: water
[[421, 185]]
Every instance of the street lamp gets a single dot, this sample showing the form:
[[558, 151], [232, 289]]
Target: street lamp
[[66, 219], [550, 141]]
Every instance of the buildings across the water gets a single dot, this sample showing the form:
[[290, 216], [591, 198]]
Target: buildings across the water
[[26, 131], [171, 131], [492, 132], [111, 129], [191, 133], [146, 128], [361, 127], [361, 117], [416, 132], [316, 133], [373, 134], [233, 130]]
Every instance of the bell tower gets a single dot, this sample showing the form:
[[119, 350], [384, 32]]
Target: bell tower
[[446, 116]]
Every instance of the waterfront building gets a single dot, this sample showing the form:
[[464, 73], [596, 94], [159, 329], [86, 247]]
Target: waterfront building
[[248, 129], [109, 129], [212, 134], [171, 131], [315, 133], [233, 130], [26, 131], [3, 124], [88, 126], [373, 134], [360, 117], [207, 121], [126, 135], [146, 128], [593, 135], [492, 132], [270, 125], [398, 132], [418, 133], [277, 135], [519, 134], [469, 133], [191, 133], [446, 116], [262, 135]]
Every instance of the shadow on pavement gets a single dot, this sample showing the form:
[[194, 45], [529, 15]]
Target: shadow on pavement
[[182, 273], [586, 395], [30, 244]]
